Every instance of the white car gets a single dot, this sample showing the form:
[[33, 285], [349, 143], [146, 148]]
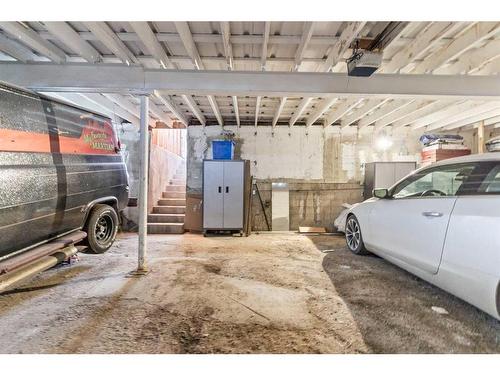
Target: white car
[[441, 223]]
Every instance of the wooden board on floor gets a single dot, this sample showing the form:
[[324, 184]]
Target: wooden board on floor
[[312, 230]]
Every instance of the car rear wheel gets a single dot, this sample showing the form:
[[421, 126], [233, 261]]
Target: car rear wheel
[[353, 236], [101, 228]]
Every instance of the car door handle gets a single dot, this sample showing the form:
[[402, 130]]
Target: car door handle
[[432, 214]]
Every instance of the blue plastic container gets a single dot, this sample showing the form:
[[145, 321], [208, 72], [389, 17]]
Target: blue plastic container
[[222, 150]]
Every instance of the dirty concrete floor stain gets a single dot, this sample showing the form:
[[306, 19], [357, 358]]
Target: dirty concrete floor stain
[[268, 293]]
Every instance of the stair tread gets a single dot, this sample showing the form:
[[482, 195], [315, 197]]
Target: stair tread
[[176, 207]]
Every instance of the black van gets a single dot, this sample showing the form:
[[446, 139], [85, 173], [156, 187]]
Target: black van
[[60, 171]]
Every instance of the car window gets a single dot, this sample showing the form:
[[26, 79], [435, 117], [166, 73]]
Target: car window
[[439, 181], [491, 183]]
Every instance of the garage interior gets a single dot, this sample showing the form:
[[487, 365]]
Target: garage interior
[[280, 92]]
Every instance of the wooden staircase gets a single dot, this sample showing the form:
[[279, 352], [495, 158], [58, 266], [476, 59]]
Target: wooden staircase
[[168, 215]]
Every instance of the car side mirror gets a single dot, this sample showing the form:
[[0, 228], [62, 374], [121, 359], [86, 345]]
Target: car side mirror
[[381, 193]]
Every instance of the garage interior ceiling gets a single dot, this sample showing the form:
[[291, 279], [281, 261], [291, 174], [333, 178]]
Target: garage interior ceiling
[[409, 48]]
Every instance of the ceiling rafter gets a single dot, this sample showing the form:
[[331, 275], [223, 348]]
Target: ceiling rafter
[[321, 108], [147, 37], [104, 102], [446, 112], [383, 111], [366, 108], [473, 60], [31, 38], [422, 112], [263, 63], [194, 109], [15, 49], [257, 109], [414, 50], [277, 114], [340, 46], [300, 109], [472, 37], [172, 107], [476, 109], [71, 39], [489, 118], [307, 31], [190, 46], [158, 112], [228, 52], [401, 113], [341, 110], [265, 36], [108, 37]]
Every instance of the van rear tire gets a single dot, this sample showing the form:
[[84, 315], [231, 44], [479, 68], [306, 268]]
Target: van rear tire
[[101, 228]]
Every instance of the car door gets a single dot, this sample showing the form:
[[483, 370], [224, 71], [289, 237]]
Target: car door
[[411, 225]]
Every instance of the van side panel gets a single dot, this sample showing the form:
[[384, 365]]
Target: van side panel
[[54, 160]]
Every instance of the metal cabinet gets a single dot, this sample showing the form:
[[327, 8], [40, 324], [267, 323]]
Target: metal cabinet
[[223, 194], [380, 175]]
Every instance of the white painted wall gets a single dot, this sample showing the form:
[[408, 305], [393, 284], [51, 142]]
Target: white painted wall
[[329, 155]]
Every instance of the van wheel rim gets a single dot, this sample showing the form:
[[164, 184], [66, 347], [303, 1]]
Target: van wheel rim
[[104, 229], [353, 234]]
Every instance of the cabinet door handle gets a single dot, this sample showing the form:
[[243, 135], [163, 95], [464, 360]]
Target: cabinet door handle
[[432, 214], [227, 189], [220, 189]]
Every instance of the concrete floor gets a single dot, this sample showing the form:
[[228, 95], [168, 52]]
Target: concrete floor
[[268, 293]]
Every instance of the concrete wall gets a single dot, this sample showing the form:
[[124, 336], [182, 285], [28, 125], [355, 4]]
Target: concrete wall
[[323, 167]]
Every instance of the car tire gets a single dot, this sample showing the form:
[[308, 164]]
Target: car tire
[[101, 228], [353, 237]]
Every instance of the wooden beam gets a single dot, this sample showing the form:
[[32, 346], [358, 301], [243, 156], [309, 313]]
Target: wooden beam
[[468, 40], [172, 107], [15, 49], [300, 109], [307, 32], [358, 113], [338, 49], [480, 138], [190, 46], [257, 110], [414, 50], [473, 119], [226, 42], [263, 55], [71, 39], [383, 111], [341, 110], [473, 110], [33, 40], [108, 37], [277, 114], [445, 113], [194, 108], [322, 107], [149, 40], [401, 113], [228, 51], [472, 61]]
